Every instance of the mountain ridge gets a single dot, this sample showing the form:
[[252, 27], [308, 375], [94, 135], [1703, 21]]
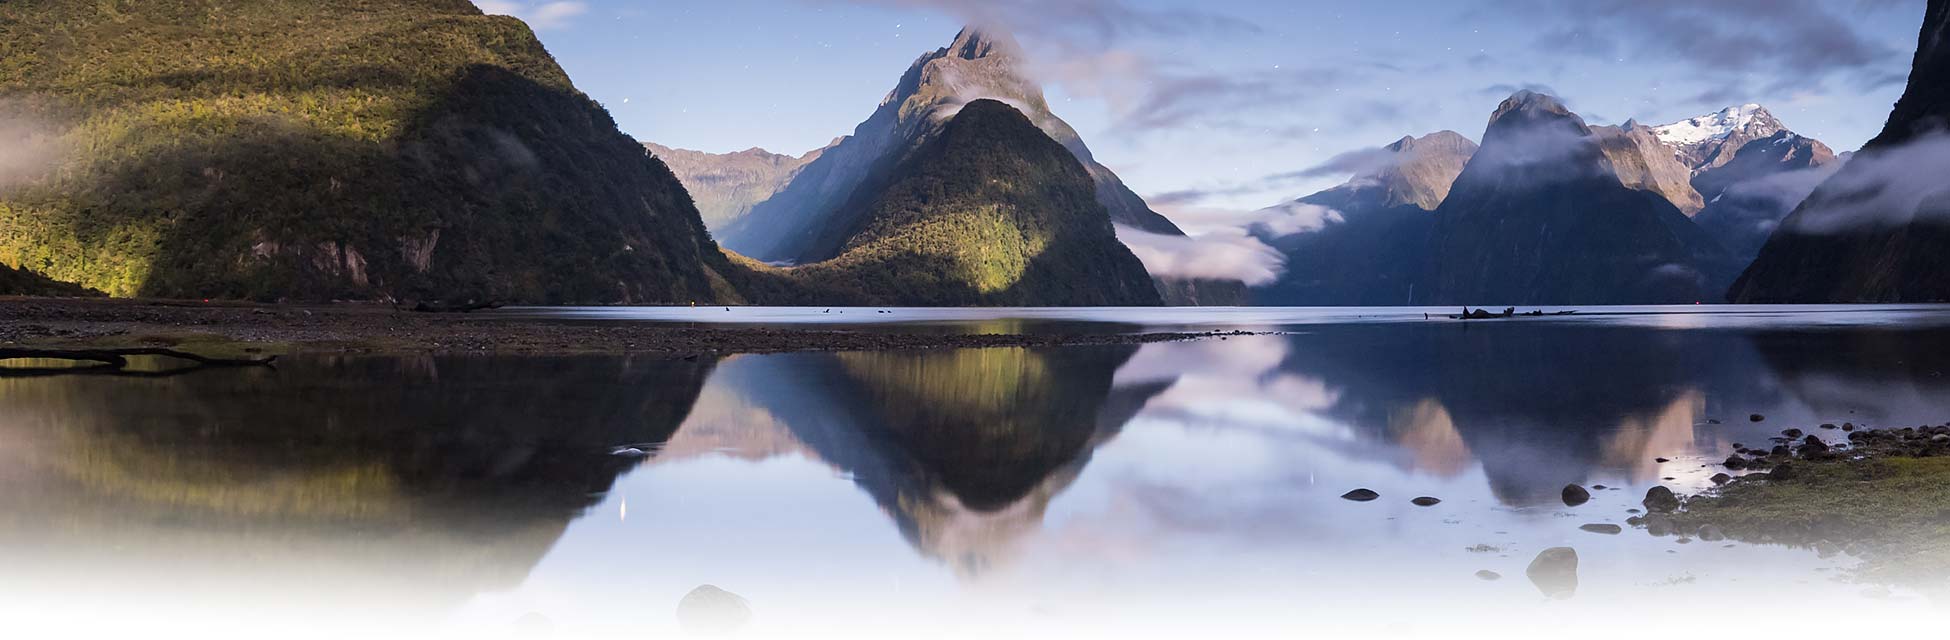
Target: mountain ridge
[[417, 149]]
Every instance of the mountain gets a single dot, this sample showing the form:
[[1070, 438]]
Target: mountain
[[726, 185], [1709, 141], [1368, 251], [978, 64], [1647, 163], [1749, 195], [1540, 216], [988, 211], [338, 149], [1879, 229]]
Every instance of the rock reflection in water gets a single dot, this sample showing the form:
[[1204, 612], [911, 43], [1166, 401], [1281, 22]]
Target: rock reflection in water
[[390, 482]]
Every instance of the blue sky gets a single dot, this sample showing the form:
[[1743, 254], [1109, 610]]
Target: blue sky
[[1196, 103]]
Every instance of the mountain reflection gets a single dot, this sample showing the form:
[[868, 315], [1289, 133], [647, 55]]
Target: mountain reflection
[[442, 477], [1541, 405], [963, 449]]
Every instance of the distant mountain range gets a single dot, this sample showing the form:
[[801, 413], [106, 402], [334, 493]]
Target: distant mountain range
[[1879, 229], [804, 210], [1734, 172], [726, 186]]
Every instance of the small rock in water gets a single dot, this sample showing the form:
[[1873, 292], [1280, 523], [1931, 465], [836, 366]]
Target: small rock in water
[[1360, 495], [1599, 487], [1721, 478], [708, 610], [1756, 418], [1735, 463], [1711, 533], [1426, 501], [1660, 500], [1791, 433], [1713, 421], [1488, 575], [1555, 572], [1661, 460], [1848, 426], [1607, 529], [1575, 495], [1826, 425], [1658, 525]]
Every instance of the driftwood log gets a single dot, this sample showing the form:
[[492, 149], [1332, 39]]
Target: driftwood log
[[116, 361]]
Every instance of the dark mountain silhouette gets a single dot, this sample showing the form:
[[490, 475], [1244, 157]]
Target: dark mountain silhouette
[[1540, 215], [1879, 230], [1369, 251]]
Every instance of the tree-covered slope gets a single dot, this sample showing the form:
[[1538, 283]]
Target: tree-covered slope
[[17, 282], [326, 149], [991, 211]]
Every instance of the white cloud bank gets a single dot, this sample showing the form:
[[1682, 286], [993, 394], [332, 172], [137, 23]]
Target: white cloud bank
[[1218, 255]]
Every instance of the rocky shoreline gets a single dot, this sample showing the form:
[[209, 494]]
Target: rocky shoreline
[[1882, 497], [226, 327]]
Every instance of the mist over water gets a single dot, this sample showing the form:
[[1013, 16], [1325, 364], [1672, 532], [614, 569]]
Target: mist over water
[[1159, 490]]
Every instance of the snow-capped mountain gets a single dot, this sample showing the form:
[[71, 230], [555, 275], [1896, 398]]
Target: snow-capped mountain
[[1709, 141]]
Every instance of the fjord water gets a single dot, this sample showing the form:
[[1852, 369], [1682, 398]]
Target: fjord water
[[1157, 490]]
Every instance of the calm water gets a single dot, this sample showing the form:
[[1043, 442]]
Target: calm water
[[1165, 490]]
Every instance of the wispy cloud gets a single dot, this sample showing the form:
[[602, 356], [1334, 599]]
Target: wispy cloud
[[29, 147], [1778, 44], [1082, 24], [1109, 50], [538, 15]]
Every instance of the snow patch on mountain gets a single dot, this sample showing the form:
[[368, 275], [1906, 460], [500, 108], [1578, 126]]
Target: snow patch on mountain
[[1717, 126]]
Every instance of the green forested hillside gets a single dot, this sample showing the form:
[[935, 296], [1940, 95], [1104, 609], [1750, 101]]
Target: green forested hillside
[[991, 211], [325, 149]]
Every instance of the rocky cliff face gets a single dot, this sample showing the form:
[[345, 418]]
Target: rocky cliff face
[[1879, 230], [1646, 163], [1540, 215], [1370, 249], [339, 149]]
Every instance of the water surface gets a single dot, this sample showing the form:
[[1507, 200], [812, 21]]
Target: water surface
[[1162, 490]]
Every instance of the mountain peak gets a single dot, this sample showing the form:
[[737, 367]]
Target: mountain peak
[[1751, 120], [1528, 106], [976, 42]]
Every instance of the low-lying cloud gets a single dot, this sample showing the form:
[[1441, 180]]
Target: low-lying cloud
[[29, 147], [1218, 255], [539, 15], [1883, 188]]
